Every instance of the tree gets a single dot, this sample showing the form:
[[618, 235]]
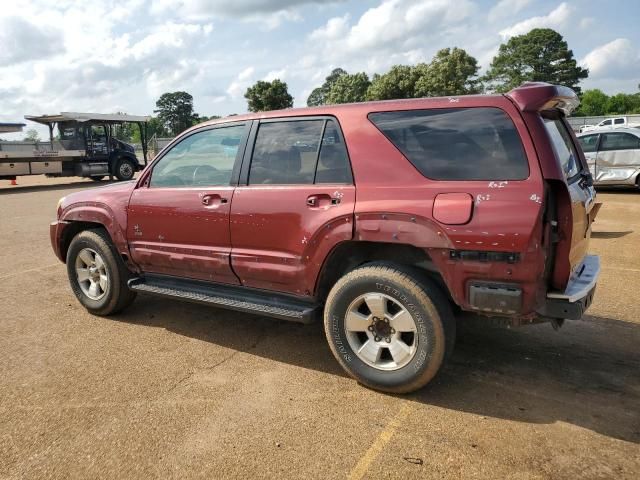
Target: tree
[[622, 103], [31, 135], [398, 82], [451, 72], [268, 96], [349, 88], [318, 95], [593, 103], [541, 55], [175, 111]]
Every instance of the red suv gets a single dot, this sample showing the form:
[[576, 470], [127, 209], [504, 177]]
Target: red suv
[[380, 217]]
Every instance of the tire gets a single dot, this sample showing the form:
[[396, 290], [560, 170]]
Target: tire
[[101, 289], [125, 169], [393, 292], [97, 179]]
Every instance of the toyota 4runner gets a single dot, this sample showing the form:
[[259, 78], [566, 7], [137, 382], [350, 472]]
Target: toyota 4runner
[[382, 218]]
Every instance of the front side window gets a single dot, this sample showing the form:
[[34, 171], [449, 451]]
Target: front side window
[[205, 158], [563, 147], [589, 143], [300, 152], [457, 143], [619, 141]]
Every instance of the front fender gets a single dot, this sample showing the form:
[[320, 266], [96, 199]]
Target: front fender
[[100, 213]]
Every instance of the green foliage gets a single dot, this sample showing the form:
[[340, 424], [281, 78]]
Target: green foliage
[[623, 103], [540, 55], [597, 103], [451, 72], [593, 103], [398, 82], [319, 95], [349, 88], [175, 111], [268, 96], [31, 135]]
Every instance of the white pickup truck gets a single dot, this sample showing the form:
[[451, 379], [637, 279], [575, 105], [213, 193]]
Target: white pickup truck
[[613, 122]]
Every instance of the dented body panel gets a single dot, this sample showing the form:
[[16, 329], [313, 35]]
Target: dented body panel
[[526, 236]]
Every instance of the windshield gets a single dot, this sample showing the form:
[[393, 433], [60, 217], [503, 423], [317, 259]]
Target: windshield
[[563, 147]]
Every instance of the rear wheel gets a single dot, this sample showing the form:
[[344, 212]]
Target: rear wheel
[[125, 169], [97, 274], [388, 327]]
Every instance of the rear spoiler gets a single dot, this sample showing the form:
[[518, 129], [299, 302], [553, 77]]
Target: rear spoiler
[[539, 96]]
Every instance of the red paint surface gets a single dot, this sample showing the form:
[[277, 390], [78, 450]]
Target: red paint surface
[[269, 237], [453, 208]]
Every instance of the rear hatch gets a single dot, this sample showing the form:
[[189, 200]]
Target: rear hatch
[[571, 206]]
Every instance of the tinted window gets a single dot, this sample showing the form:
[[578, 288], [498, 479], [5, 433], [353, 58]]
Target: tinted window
[[292, 152], [589, 143], [333, 163], [619, 141], [457, 143], [204, 158], [618, 121], [563, 147]]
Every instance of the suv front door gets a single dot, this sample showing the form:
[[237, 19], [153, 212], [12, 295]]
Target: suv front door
[[294, 203], [178, 216]]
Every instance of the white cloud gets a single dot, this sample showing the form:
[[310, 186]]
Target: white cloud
[[619, 58], [393, 29], [239, 86], [506, 8], [556, 19], [273, 74], [22, 41]]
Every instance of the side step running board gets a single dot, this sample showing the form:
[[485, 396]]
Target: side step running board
[[243, 299]]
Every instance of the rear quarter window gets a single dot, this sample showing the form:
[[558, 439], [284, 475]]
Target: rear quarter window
[[563, 147], [457, 143]]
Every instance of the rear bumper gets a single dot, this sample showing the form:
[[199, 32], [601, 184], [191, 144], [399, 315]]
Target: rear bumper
[[577, 297]]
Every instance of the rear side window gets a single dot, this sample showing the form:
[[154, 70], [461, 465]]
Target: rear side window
[[589, 143], [457, 143], [619, 141], [300, 152], [618, 121], [563, 147]]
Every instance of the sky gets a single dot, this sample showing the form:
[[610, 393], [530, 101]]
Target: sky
[[120, 56]]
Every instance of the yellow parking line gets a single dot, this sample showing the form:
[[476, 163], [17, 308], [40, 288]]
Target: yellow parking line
[[383, 438]]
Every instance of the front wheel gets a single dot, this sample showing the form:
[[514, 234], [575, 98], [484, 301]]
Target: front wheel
[[125, 169], [97, 274], [388, 327]]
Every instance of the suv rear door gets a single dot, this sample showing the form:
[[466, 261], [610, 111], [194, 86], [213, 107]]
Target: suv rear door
[[579, 182], [294, 203]]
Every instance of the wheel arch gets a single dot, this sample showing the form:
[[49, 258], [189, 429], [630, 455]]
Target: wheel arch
[[352, 254], [92, 215]]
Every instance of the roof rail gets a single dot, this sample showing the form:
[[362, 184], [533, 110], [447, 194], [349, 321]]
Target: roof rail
[[539, 96]]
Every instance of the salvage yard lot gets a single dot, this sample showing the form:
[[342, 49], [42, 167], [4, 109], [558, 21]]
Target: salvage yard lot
[[170, 389]]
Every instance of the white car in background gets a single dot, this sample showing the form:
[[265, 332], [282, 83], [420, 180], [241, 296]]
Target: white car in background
[[613, 155], [616, 122]]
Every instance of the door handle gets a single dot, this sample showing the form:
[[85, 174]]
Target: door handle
[[213, 200], [322, 200]]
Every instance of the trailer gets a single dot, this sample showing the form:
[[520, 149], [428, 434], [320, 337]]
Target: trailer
[[85, 146]]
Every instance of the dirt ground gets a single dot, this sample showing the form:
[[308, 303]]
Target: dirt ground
[[176, 390]]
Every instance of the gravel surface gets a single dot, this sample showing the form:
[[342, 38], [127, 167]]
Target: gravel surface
[[176, 390]]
